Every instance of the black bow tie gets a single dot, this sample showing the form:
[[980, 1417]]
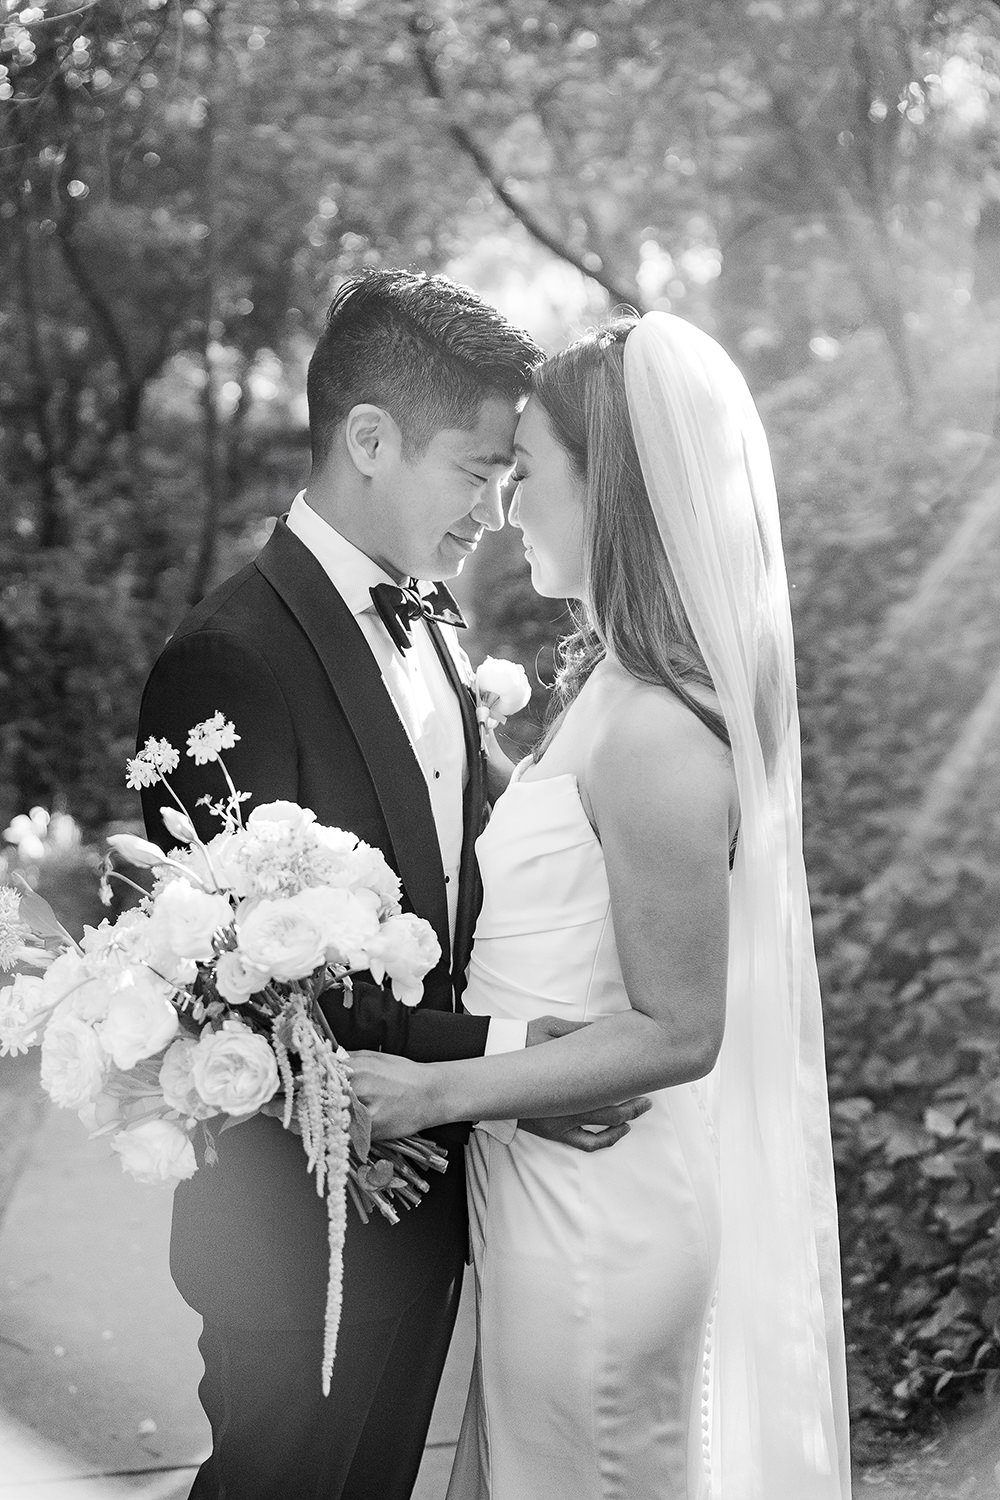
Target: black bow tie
[[398, 606]]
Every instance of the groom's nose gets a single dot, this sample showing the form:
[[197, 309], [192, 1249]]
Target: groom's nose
[[488, 510]]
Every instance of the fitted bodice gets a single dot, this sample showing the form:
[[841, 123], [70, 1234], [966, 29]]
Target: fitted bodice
[[545, 941]]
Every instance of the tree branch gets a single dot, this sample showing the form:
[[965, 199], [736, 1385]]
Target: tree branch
[[477, 154], [864, 238]]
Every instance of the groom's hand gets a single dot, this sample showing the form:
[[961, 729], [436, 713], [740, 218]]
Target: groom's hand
[[547, 1028], [594, 1131]]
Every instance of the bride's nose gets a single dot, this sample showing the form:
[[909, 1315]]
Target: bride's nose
[[514, 509]]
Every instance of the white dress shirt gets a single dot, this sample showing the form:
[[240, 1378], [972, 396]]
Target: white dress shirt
[[423, 697]]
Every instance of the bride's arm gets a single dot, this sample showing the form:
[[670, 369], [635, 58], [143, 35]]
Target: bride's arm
[[660, 791]]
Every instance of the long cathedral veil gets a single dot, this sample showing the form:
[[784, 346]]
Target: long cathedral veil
[[775, 1411]]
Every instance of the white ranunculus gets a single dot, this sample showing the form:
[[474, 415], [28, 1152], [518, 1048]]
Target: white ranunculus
[[191, 918], [281, 938], [216, 866], [236, 980], [74, 1064], [292, 817], [406, 949], [234, 1069], [503, 686], [140, 1019], [176, 1079], [347, 920], [156, 1151]]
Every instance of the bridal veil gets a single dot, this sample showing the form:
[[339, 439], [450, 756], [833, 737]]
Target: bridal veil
[[775, 1412]]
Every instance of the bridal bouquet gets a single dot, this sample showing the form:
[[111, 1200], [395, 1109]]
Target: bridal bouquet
[[202, 1001]]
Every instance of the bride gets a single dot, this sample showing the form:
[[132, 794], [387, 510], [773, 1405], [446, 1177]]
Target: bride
[[661, 1321]]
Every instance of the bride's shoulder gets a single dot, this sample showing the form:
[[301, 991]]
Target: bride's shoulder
[[641, 732]]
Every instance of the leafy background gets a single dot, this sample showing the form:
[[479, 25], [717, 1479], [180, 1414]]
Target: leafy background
[[817, 182]]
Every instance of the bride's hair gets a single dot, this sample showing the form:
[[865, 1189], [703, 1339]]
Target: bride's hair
[[634, 608]]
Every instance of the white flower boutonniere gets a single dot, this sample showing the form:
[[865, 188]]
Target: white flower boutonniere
[[502, 688]]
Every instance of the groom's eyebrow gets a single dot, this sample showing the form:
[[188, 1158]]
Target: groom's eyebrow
[[492, 460]]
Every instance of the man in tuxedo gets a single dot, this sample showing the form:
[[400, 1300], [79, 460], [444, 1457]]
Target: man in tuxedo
[[351, 700]]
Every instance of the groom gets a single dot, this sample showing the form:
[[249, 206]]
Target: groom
[[358, 711]]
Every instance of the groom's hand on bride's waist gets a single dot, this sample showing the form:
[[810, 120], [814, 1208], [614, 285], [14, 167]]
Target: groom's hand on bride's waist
[[547, 1028], [593, 1130]]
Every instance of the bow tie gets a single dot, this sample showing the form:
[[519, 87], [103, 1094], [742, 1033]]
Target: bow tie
[[398, 606]]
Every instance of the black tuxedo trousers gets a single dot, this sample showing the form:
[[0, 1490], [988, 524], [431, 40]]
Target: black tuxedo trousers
[[278, 652]]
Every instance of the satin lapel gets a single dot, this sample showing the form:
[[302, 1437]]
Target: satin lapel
[[474, 811], [294, 573]]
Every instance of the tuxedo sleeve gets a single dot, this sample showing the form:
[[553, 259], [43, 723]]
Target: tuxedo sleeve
[[378, 1022], [211, 671]]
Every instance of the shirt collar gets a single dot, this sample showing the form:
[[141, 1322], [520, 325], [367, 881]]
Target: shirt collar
[[352, 573]]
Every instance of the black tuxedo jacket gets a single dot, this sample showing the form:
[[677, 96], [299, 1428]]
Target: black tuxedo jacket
[[279, 653]]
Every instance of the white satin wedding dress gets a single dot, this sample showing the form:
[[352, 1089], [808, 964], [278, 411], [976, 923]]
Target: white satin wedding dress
[[594, 1273]]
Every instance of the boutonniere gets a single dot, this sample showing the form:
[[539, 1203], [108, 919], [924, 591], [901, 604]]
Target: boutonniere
[[501, 689]]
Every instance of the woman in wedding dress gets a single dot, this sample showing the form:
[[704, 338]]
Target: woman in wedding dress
[[661, 1320]]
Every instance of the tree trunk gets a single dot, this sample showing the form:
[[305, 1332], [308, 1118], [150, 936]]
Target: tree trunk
[[211, 464]]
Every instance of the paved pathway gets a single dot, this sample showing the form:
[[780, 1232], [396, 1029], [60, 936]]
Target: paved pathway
[[98, 1359]]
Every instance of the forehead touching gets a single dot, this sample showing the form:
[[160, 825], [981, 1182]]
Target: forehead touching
[[533, 431], [489, 443]]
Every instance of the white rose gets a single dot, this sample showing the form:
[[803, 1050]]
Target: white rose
[[155, 1151], [347, 920], [406, 949], [369, 868], [234, 1069], [24, 1006], [503, 687], [294, 818], [69, 981], [140, 1019], [152, 945], [236, 980], [74, 1064], [176, 1080], [99, 1112], [281, 938], [191, 918]]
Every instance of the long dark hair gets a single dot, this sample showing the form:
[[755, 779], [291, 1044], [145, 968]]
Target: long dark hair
[[634, 607]]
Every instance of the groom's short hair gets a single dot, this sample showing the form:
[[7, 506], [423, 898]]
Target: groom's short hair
[[423, 348]]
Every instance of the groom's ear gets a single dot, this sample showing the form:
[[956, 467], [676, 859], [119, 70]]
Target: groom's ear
[[370, 436]]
